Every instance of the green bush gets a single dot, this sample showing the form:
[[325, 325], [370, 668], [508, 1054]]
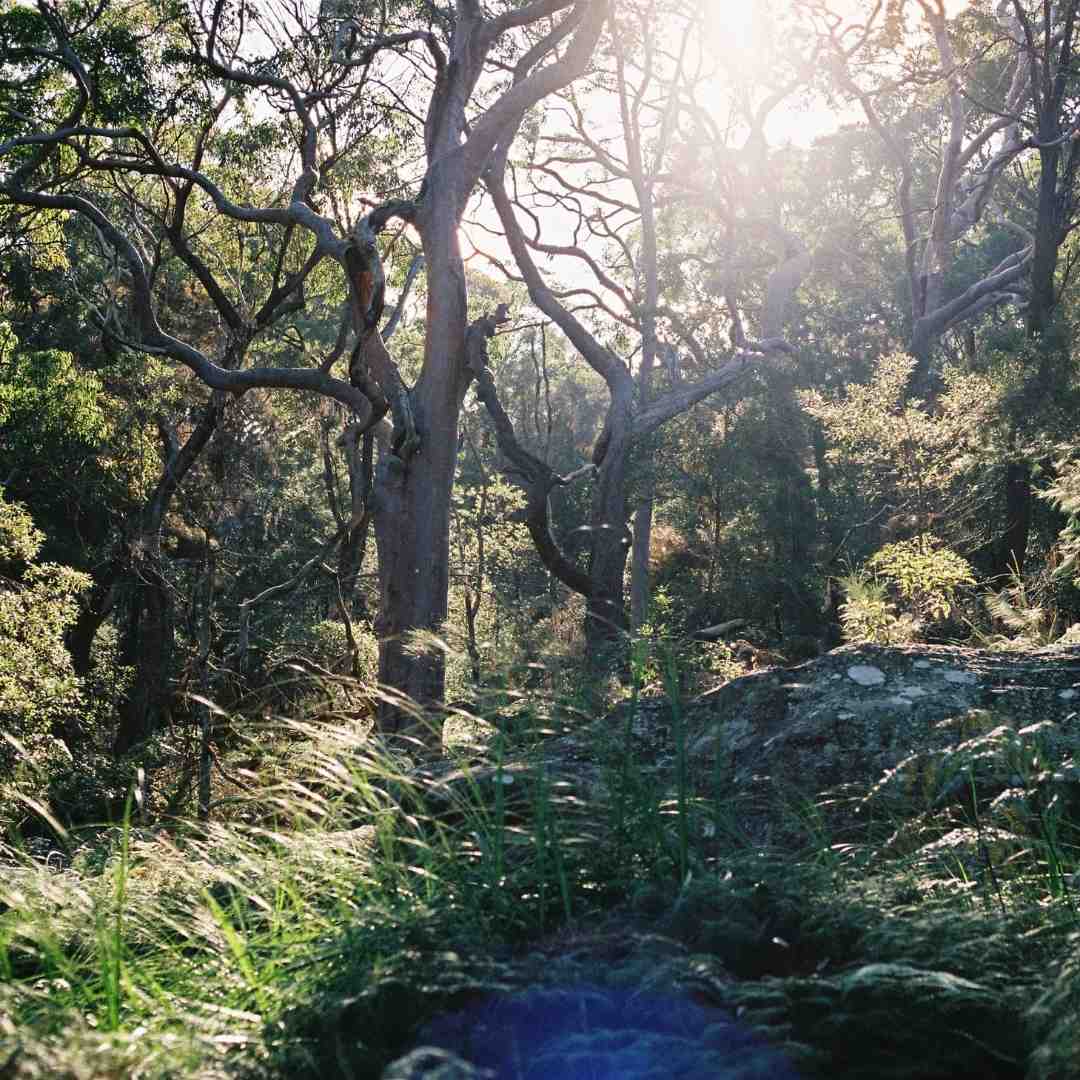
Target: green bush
[[55, 728], [905, 590], [38, 602]]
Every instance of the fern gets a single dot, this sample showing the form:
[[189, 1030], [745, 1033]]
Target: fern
[[1028, 623]]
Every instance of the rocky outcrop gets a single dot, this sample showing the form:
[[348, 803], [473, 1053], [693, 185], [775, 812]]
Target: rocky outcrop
[[904, 722], [899, 720], [772, 951]]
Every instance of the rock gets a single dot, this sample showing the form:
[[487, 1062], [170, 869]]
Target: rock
[[962, 678], [826, 725], [860, 717], [866, 675], [431, 1063]]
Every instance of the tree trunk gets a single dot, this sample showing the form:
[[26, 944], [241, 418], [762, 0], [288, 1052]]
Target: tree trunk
[[1019, 499], [149, 638], [80, 638], [147, 644], [606, 618], [412, 526], [1047, 235]]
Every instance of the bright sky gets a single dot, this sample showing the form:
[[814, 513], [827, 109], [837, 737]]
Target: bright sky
[[743, 36], [741, 31]]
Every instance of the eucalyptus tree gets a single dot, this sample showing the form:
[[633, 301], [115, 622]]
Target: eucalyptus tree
[[608, 185], [1047, 210], [454, 83], [1046, 38], [998, 83], [944, 192], [147, 245]]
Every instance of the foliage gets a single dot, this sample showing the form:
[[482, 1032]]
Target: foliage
[[328, 645], [867, 613], [925, 575], [1064, 493], [908, 451], [905, 591], [343, 888], [1027, 623], [265, 947], [38, 689], [20, 541]]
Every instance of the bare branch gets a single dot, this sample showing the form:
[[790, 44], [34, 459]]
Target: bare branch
[[504, 116], [530, 13], [535, 477], [602, 361], [391, 326]]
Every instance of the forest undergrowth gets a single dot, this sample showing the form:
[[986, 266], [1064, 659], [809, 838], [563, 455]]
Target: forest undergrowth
[[350, 892], [774, 349]]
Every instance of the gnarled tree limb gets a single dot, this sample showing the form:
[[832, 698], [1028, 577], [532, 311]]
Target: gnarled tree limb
[[535, 477]]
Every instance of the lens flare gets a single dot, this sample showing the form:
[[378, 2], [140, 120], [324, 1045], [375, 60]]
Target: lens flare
[[594, 1033]]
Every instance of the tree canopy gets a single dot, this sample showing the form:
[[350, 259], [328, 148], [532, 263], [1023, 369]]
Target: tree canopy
[[492, 339]]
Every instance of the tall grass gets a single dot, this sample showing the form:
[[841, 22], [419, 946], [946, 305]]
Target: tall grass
[[185, 939], [348, 867]]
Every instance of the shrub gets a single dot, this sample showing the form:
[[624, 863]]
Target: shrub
[[906, 589], [38, 688]]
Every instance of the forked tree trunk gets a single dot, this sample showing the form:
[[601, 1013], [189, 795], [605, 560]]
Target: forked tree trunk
[[147, 644]]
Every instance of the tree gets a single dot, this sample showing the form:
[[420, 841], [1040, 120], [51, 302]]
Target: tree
[[941, 201], [1047, 48], [612, 186], [311, 85], [1007, 98]]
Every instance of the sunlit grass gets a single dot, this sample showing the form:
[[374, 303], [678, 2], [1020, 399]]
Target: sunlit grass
[[358, 886]]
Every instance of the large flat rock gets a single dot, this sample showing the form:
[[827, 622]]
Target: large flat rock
[[852, 717]]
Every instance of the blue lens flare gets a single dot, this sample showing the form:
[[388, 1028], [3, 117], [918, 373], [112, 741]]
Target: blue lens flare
[[594, 1033]]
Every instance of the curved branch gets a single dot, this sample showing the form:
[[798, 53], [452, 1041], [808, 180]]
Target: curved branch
[[505, 114], [535, 477], [153, 339], [523, 16], [613, 371], [391, 326], [390, 41], [685, 397], [970, 301]]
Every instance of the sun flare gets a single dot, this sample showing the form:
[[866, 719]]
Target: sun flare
[[751, 40]]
